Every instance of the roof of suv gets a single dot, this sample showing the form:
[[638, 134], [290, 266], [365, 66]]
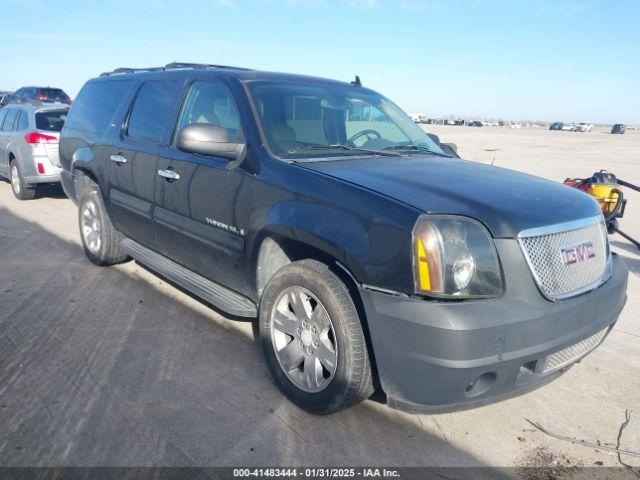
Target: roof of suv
[[243, 74], [38, 106], [41, 88]]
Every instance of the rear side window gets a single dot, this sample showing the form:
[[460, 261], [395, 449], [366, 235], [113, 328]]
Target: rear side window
[[23, 121], [96, 105], [9, 120], [150, 110], [51, 121]]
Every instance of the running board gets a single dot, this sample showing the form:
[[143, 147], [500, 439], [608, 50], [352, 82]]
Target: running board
[[219, 296]]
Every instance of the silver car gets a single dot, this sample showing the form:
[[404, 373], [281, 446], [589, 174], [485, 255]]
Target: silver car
[[29, 137]]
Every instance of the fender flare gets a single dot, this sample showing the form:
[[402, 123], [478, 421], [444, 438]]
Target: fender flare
[[337, 234]]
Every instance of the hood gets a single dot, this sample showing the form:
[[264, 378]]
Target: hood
[[504, 200]]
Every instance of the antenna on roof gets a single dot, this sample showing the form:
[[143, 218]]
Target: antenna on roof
[[357, 82]]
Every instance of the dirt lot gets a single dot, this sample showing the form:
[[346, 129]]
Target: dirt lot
[[112, 366]]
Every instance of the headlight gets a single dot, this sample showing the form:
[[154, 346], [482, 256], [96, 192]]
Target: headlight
[[454, 257]]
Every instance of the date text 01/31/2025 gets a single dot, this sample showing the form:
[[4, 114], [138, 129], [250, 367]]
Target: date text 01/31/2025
[[316, 472]]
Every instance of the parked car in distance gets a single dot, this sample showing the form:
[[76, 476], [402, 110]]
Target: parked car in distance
[[42, 94], [556, 126], [29, 136], [582, 127], [365, 256], [418, 117], [475, 123], [618, 128], [567, 127]]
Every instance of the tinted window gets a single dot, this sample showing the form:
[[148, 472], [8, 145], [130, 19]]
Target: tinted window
[[306, 121], [53, 93], [7, 126], [150, 109], [210, 103], [52, 121], [3, 113], [96, 105], [23, 121]]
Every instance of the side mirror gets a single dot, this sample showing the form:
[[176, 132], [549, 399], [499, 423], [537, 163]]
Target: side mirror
[[451, 146], [207, 139], [450, 149], [434, 137]]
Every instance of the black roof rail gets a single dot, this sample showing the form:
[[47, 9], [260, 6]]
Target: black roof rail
[[169, 66]]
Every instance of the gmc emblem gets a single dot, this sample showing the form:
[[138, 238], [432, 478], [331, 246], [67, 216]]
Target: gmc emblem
[[578, 253]]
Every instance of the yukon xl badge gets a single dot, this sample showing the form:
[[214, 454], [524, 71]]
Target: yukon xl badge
[[224, 226], [578, 253]]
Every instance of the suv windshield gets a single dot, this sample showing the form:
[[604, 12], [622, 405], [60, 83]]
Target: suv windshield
[[302, 121]]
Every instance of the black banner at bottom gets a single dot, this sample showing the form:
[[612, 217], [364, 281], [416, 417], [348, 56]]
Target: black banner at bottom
[[303, 473]]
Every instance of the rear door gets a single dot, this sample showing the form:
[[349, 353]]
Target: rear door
[[6, 135], [134, 157], [202, 216], [4, 157]]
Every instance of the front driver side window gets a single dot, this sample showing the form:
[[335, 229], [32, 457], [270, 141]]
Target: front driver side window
[[210, 103]]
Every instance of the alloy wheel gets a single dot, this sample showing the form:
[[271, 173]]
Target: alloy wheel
[[304, 339], [15, 179], [90, 227]]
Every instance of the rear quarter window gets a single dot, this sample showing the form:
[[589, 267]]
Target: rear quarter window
[[96, 105], [23, 121]]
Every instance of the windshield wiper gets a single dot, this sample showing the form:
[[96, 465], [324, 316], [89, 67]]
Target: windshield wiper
[[415, 148], [339, 146]]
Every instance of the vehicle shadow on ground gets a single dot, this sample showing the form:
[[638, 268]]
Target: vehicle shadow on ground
[[103, 366], [630, 253], [45, 190]]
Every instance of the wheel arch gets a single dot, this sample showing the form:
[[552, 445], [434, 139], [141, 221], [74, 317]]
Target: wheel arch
[[83, 178], [274, 250]]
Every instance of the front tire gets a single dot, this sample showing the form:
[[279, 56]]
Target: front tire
[[99, 237], [312, 338], [20, 189]]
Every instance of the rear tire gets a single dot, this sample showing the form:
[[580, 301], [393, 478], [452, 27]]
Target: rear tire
[[20, 189], [99, 237], [312, 339]]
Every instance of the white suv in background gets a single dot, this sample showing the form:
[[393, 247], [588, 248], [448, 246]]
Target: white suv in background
[[582, 127], [29, 136]]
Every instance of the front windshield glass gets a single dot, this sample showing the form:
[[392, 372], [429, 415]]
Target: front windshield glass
[[303, 121]]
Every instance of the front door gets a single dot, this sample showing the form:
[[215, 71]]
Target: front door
[[201, 214], [134, 157]]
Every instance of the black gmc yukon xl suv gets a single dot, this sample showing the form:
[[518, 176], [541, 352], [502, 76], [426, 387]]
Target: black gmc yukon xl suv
[[368, 258]]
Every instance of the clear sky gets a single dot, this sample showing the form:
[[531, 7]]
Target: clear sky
[[567, 60]]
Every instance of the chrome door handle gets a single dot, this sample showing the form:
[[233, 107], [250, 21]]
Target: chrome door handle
[[118, 159], [169, 174]]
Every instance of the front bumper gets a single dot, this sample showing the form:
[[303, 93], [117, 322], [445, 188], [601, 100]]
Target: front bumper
[[442, 355]]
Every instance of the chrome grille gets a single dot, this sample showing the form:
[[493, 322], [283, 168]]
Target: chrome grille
[[570, 354], [546, 252]]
